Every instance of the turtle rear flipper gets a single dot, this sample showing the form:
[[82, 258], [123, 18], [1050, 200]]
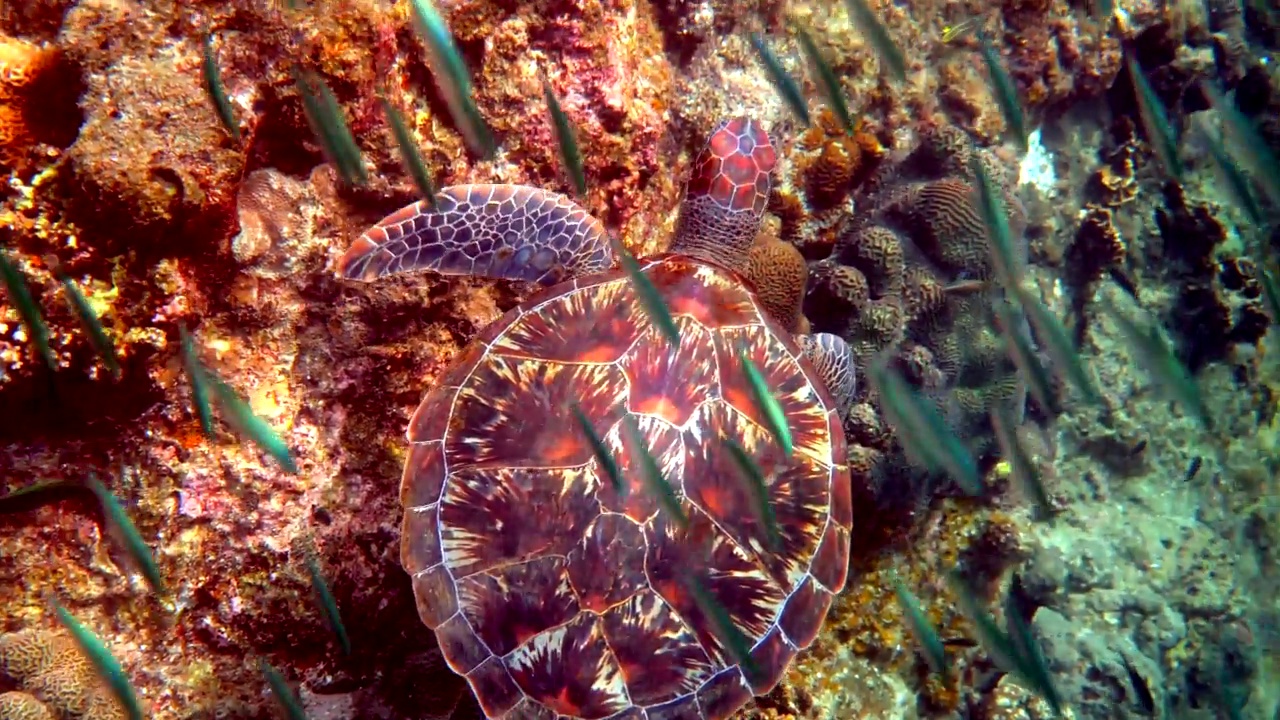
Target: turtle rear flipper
[[833, 359], [509, 232]]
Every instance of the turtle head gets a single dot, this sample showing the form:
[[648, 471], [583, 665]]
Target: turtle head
[[727, 193]]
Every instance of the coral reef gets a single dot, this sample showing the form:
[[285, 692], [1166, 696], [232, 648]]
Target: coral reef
[[56, 678]]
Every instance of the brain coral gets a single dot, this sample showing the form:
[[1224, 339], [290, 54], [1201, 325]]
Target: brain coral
[[50, 670], [906, 271]]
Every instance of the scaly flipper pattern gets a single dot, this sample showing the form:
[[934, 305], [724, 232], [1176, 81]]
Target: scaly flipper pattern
[[833, 359], [510, 232], [727, 194]]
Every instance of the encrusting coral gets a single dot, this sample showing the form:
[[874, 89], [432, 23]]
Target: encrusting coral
[[51, 669], [16, 705]]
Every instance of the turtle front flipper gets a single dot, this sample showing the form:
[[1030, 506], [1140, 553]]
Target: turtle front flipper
[[511, 232], [833, 359], [727, 194]]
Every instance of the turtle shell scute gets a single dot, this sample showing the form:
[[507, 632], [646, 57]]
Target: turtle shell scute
[[559, 593]]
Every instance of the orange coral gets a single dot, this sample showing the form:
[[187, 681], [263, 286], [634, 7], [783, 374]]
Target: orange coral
[[21, 706], [25, 70], [778, 272]]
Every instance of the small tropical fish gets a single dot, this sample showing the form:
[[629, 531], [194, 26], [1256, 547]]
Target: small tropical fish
[[329, 125], [199, 381], [951, 33], [328, 605], [926, 634], [754, 478], [652, 474], [237, 413], [1154, 352], [786, 85], [39, 494], [217, 91], [766, 404], [1066, 361], [603, 457], [1237, 182], [726, 630], [284, 695], [1260, 157], [410, 155], [1024, 357], [1146, 701], [1155, 121], [1015, 651], [452, 78], [654, 306], [106, 664], [1005, 92], [865, 19], [1004, 260], [1193, 469], [97, 335], [1270, 293], [126, 534], [20, 295], [566, 138], [922, 430], [830, 83], [1023, 469]]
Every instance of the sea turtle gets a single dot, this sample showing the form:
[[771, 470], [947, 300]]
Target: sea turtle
[[555, 592]]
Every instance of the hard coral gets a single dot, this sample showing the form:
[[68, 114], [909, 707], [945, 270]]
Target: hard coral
[[23, 706], [51, 668], [902, 272], [778, 272], [37, 99]]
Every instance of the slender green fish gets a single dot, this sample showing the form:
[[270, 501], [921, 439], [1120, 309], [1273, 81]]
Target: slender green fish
[[329, 125], [566, 138], [1019, 656], [766, 404], [753, 476], [217, 91], [40, 494], [652, 473], [1004, 259], [452, 78], [782, 81], [866, 20], [237, 413], [410, 156], [1153, 351], [604, 458], [106, 664], [1155, 121], [328, 605], [1024, 357], [1237, 181], [830, 83], [283, 694], [922, 430], [126, 534], [1271, 293], [1259, 156], [89, 319], [725, 629], [654, 306], [925, 633], [1006, 93], [1066, 361], [199, 381], [1022, 469], [20, 295]]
